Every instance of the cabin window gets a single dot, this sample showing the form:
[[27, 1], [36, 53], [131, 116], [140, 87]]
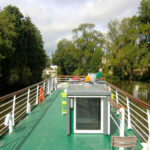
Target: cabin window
[[87, 115]]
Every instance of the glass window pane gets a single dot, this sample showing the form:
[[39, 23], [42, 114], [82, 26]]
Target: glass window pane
[[88, 114]]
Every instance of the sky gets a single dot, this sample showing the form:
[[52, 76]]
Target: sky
[[56, 18]]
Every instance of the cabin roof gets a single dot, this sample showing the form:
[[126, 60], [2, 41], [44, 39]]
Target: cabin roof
[[87, 90]]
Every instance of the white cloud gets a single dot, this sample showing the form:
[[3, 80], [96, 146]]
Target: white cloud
[[57, 18]]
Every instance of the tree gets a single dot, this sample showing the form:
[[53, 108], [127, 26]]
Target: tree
[[78, 56], [144, 11], [66, 57], [96, 60], [144, 23], [87, 41], [22, 57], [144, 35], [113, 46], [125, 52]]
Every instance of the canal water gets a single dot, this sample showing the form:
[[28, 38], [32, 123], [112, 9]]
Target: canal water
[[138, 89]]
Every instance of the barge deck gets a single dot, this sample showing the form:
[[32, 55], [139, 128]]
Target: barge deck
[[45, 128]]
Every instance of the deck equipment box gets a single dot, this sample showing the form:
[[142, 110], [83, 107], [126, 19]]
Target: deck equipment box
[[88, 109]]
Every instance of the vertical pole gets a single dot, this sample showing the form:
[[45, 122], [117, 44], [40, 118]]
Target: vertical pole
[[37, 94], [55, 83], [129, 116], [10, 125], [52, 84], [108, 117], [148, 117], [13, 110], [117, 100], [48, 87], [122, 121], [109, 89], [28, 111], [109, 113], [68, 117], [44, 86]]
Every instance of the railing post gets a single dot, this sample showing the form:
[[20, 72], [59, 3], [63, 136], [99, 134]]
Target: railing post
[[122, 121], [108, 117], [51, 84], [109, 89], [9, 122], [13, 110], [28, 111], [55, 83], [129, 116], [148, 118], [109, 113], [44, 86], [48, 87], [117, 100], [37, 94]]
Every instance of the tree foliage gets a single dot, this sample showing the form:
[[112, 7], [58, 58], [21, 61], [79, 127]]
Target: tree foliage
[[126, 47], [128, 43], [85, 51], [65, 57], [22, 57]]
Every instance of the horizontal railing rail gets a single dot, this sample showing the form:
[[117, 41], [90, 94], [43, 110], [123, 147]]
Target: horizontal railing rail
[[137, 112], [136, 100], [21, 102], [20, 91], [66, 78]]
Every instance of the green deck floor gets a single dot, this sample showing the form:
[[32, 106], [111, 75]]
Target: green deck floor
[[45, 129]]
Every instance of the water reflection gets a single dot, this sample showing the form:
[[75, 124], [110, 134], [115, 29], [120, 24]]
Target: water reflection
[[139, 90]]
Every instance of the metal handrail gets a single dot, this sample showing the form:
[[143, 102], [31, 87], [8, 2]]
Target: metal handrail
[[19, 101], [136, 100], [20, 91], [6, 103], [119, 97]]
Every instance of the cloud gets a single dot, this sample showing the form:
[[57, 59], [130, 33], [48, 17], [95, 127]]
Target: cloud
[[56, 18]]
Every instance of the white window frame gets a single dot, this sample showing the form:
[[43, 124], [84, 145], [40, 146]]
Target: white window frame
[[102, 118]]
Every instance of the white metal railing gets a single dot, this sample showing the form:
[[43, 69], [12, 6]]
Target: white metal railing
[[136, 112], [62, 79], [19, 103]]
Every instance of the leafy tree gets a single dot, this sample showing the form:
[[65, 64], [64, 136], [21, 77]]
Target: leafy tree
[[126, 46], [144, 35], [65, 57], [22, 57], [87, 41], [96, 60], [144, 11], [86, 49], [113, 46], [125, 52]]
